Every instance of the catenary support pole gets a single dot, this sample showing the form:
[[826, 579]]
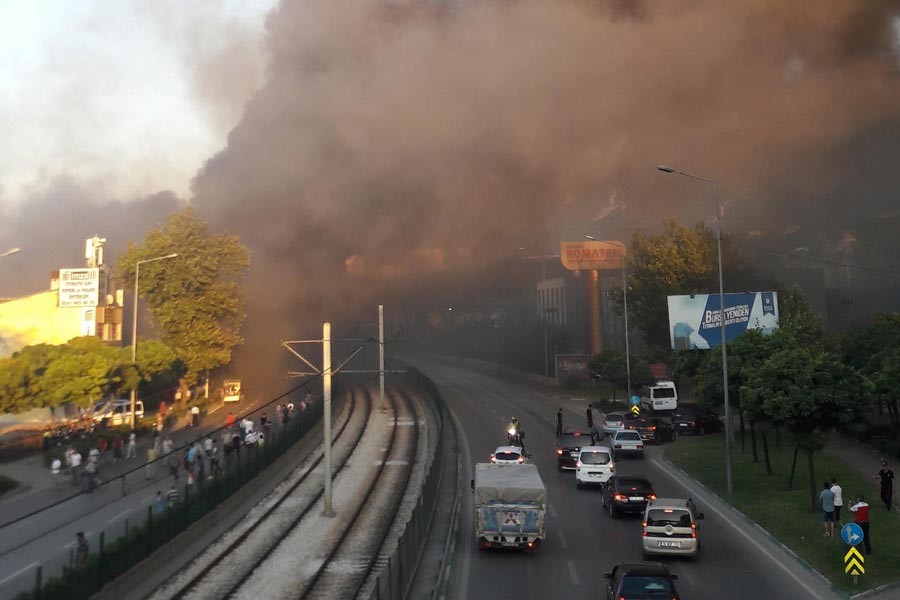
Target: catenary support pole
[[381, 356], [326, 402]]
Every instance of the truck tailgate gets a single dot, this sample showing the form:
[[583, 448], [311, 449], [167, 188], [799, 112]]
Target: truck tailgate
[[511, 520]]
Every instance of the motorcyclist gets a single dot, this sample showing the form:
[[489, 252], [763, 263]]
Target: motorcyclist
[[514, 432]]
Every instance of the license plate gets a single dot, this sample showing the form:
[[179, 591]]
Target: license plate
[[683, 425], [573, 453], [505, 543], [596, 474], [636, 498], [665, 544]]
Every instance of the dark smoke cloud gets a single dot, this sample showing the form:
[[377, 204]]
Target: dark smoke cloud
[[52, 225], [397, 143]]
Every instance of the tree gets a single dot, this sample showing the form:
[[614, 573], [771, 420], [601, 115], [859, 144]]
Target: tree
[[610, 366], [811, 392], [680, 260], [197, 299], [21, 377], [874, 350]]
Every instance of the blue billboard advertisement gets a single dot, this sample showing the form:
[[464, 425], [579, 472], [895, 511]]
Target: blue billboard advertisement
[[695, 322]]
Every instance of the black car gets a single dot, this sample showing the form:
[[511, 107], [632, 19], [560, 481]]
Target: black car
[[640, 581], [695, 419], [652, 429], [569, 444], [626, 494]]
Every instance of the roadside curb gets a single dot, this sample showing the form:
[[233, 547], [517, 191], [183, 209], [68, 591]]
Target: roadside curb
[[756, 525], [446, 570], [876, 591]]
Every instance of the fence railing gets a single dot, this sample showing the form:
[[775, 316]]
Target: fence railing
[[394, 581], [119, 546]]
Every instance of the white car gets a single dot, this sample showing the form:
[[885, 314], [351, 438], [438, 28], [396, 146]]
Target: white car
[[117, 412], [595, 465], [627, 442], [612, 423], [508, 455]]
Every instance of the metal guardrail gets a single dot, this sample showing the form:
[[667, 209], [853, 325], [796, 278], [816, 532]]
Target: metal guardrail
[[121, 546], [394, 581]]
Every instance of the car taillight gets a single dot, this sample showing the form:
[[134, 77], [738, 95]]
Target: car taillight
[[651, 497], [619, 497], [694, 535], [640, 447], [693, 423], [578, 463], [612, 468], [521, 459], [644, 525], [559, 450], [653, 428], [493, 459]]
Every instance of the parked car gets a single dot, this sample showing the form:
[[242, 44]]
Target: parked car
[[652, 429], [508, 455], [671, 526], [626, 494], [569, 445], [639, 581], [612, 423], [695, 419], [627, 441], [595, 465]]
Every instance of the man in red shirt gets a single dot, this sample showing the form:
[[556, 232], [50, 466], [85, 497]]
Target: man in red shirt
[[860, 510]]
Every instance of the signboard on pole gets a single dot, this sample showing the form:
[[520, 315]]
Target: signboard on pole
[[695, 322], [79, 287], [573, 365], [852, 534], [854, 562], [591, 256]]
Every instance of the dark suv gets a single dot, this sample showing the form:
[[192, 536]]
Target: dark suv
[[696, 419], [569, 445], [640, 580], [627, 494]]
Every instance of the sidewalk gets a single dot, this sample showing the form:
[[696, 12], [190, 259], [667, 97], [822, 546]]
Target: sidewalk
[[864, 459]]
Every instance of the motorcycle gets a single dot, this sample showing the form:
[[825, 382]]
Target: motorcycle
[[515, 437]]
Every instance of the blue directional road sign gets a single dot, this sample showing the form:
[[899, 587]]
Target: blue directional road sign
[[852, 534], [635, 400]]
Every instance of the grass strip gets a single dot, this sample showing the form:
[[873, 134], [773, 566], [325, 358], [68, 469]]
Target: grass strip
[[787, 514]]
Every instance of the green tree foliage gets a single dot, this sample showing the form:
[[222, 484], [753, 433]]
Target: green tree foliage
[[21, 375], [680, 260], [197, 299]]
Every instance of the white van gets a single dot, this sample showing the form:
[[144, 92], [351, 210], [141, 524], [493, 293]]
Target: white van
[[118, 412], [595, 465], [660, 396]]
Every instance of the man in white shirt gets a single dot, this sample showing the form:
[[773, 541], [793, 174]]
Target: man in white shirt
[[838, 501]]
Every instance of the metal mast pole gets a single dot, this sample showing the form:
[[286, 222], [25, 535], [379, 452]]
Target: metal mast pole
[[326, 402], [729, 478], [381, 356], [137, 274], [625, 302]]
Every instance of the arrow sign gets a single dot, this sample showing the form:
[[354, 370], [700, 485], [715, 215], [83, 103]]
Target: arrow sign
[[635, 410], [852, 534], [635, 400], [854, 562]]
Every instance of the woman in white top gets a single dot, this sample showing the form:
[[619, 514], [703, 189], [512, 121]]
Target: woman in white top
[[838, 501]]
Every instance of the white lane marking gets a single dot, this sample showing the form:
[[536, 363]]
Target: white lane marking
[[552, 510], [562, 539], [120, 515], [697, 492], [573, 573], [20, 571]]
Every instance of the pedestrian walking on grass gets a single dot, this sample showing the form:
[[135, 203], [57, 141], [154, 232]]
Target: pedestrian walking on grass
[[559, 423], [826, 501], [590, 417], [860, 510], [132, 445], [887, 484], [838, 492], [81, 554]]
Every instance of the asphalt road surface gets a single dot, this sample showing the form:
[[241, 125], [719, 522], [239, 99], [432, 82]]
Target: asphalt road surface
[[737, 561]]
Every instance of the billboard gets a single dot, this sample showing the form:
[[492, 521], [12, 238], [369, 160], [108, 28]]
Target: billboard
[[590, 256], [79, 287], [695, 322], [573, 365]]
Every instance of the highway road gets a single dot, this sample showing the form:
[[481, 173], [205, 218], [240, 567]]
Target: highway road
[[737, 561]]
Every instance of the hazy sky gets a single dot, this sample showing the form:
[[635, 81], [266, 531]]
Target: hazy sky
[[81, 81]]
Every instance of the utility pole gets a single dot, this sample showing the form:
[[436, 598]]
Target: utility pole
[[381, 356], [326, 404]]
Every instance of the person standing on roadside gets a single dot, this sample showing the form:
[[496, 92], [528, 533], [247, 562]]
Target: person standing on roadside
[[132, 445], [860, 510], [838, 501], [152, 454], [559, 423], [887, 484], [826, 501], [159, 504], [117, 448], [83, 549], [230, 421], [590, 417]]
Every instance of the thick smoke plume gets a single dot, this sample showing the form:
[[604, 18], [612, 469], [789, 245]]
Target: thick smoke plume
[[397, 143]]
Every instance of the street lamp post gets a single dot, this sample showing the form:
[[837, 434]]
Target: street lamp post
[[10, 252], [625, 306], [137, 275], [728, 424]]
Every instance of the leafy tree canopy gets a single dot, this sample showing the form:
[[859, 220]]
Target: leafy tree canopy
[[197, 299]]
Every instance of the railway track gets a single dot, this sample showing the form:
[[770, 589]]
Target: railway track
[[290, 550], [238, 555]]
